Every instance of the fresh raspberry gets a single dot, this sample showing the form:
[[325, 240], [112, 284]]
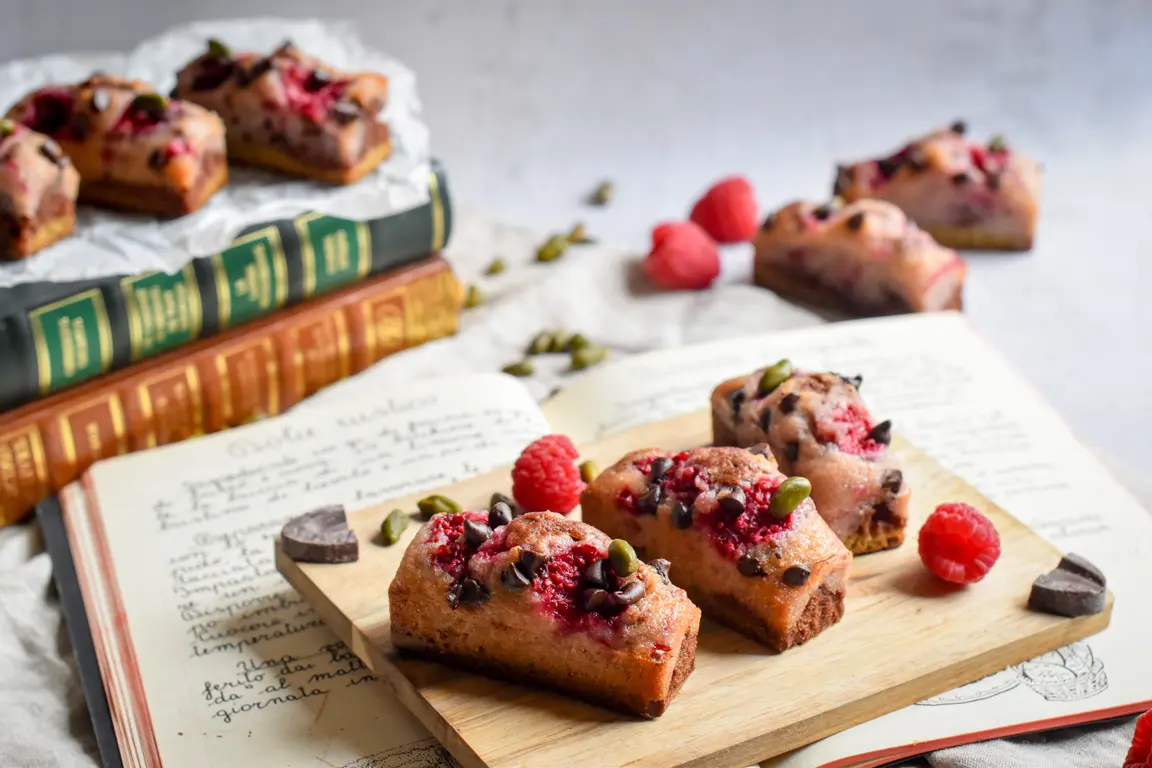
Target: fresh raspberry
[[1140, 753], [546, 478], [728, 211], [683, 257], [959, 544]]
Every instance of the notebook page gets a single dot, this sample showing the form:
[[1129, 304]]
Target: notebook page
[[236, 668], [950, 393]]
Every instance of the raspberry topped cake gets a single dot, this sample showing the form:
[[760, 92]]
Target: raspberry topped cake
[[967, 194], [748, 543], [864, 258], [817, 426], [291, 112], [545, 600], [38, 186]]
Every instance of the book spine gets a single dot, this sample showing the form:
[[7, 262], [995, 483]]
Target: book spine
[[248, 373], [83, 333]]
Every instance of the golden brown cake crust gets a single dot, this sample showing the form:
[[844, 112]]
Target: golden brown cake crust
[[38, 187], [159, 200], [536, 629]]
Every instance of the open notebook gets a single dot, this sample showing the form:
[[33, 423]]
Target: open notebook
[[208, 659]]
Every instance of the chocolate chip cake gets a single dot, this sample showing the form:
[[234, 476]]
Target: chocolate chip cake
[[864, 258], [748, 543], [817, 426], [290, 112], [38, 186], [967, 194], [133, 148], [547, 601]]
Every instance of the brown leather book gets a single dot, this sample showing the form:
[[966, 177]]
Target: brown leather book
[[256, 370]]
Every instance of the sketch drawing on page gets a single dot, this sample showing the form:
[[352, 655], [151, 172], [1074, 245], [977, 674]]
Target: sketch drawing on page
[[1070, 673], [419, 754]]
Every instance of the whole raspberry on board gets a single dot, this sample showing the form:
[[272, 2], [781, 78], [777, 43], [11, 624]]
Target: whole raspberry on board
[[545, 478], [959, 544], [1140, 753], [683, 257], [728, 211]]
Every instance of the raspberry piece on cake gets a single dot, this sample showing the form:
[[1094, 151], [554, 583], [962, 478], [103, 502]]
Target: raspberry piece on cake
[[133, 148], [547, 601], [817, 426], [965, 193], [290, 112], [865, 258], [748, 543], [38, 186]]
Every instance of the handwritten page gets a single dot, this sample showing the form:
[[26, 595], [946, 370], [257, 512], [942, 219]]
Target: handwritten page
[[237, 669], [950, 393]]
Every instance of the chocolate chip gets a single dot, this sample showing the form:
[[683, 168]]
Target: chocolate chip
[[736, 399], [792, 451], [80, 125], [960, 179], [882, 513], [514, 578], [855, 381], [749, 566], [322, 536], [285, 47], [843, 180], [245, 77], [769, 220], [881, 433], [765, 419], [531, 562], [888, 166], [100, 100], [1074, 588], [823, 212], [629, 594], [648, 503], [788, 402], [959, 127], [499, 498], [796, 576], [317, 80], [476, 533], [681, 515], [174, 93], [345, 112], [268, 124], [761, 449], [892, 480], [595, 575], [731, 500], [51, 150], [659, 469], [594, 599], [993, 181], [500, 514], [469, 591], [855, 221], [157, 159], [662, 567]]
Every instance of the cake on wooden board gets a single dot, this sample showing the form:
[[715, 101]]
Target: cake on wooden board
[[38, 187]]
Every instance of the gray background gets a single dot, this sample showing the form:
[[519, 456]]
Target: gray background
[[530, 103]]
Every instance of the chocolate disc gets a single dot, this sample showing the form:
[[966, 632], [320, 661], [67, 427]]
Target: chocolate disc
[[322, 536], [1074, 588]]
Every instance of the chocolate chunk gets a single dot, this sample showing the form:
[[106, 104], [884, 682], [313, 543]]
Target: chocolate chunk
[[823, 212], [792, 451], [659, 469], [736, 399], [681, 515], [174, 93], [629, 594], [245, 77], [796, 576], [648, 503], [788, 402], [322, 536], [100, 100], [881, 433], [345, 112], [731, 500], [467, 592], [476, 533], [882, 513], [855, 221], [152, 105], [749, 566], [892, 480], [855, 381], [662, 567], [284, 48], [960, 179], [993, 181], [888, 166], [1067, 593], [594, 599], [843, 180], [531, 562], [157, 159], [765, 419], [1073, 563], [769, 220], [514, 578], [595, 575], [317, 80], [51, 150], [500, 514], [80, 125], [761, 449], [959, 127]]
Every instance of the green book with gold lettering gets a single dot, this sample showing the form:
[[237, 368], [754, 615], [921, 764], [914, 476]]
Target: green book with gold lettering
[[56, 335]]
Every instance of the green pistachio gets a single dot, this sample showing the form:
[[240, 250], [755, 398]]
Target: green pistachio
[[789, 496], [393, 526], [521, 369], [774, 376], [588, 471], [541, 343], [623, 558], [436, 505], [586, 357], [496, 267], [473, 297], [552, 249], [602, 195]]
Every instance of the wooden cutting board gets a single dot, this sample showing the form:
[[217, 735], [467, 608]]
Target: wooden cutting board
[[906, 636]]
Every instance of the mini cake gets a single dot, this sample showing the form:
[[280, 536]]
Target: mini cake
[[545, 600], [292, 113], [133, 148], [865, 258], [966, 194], [38, 187], [748, 543], [817, 426]]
